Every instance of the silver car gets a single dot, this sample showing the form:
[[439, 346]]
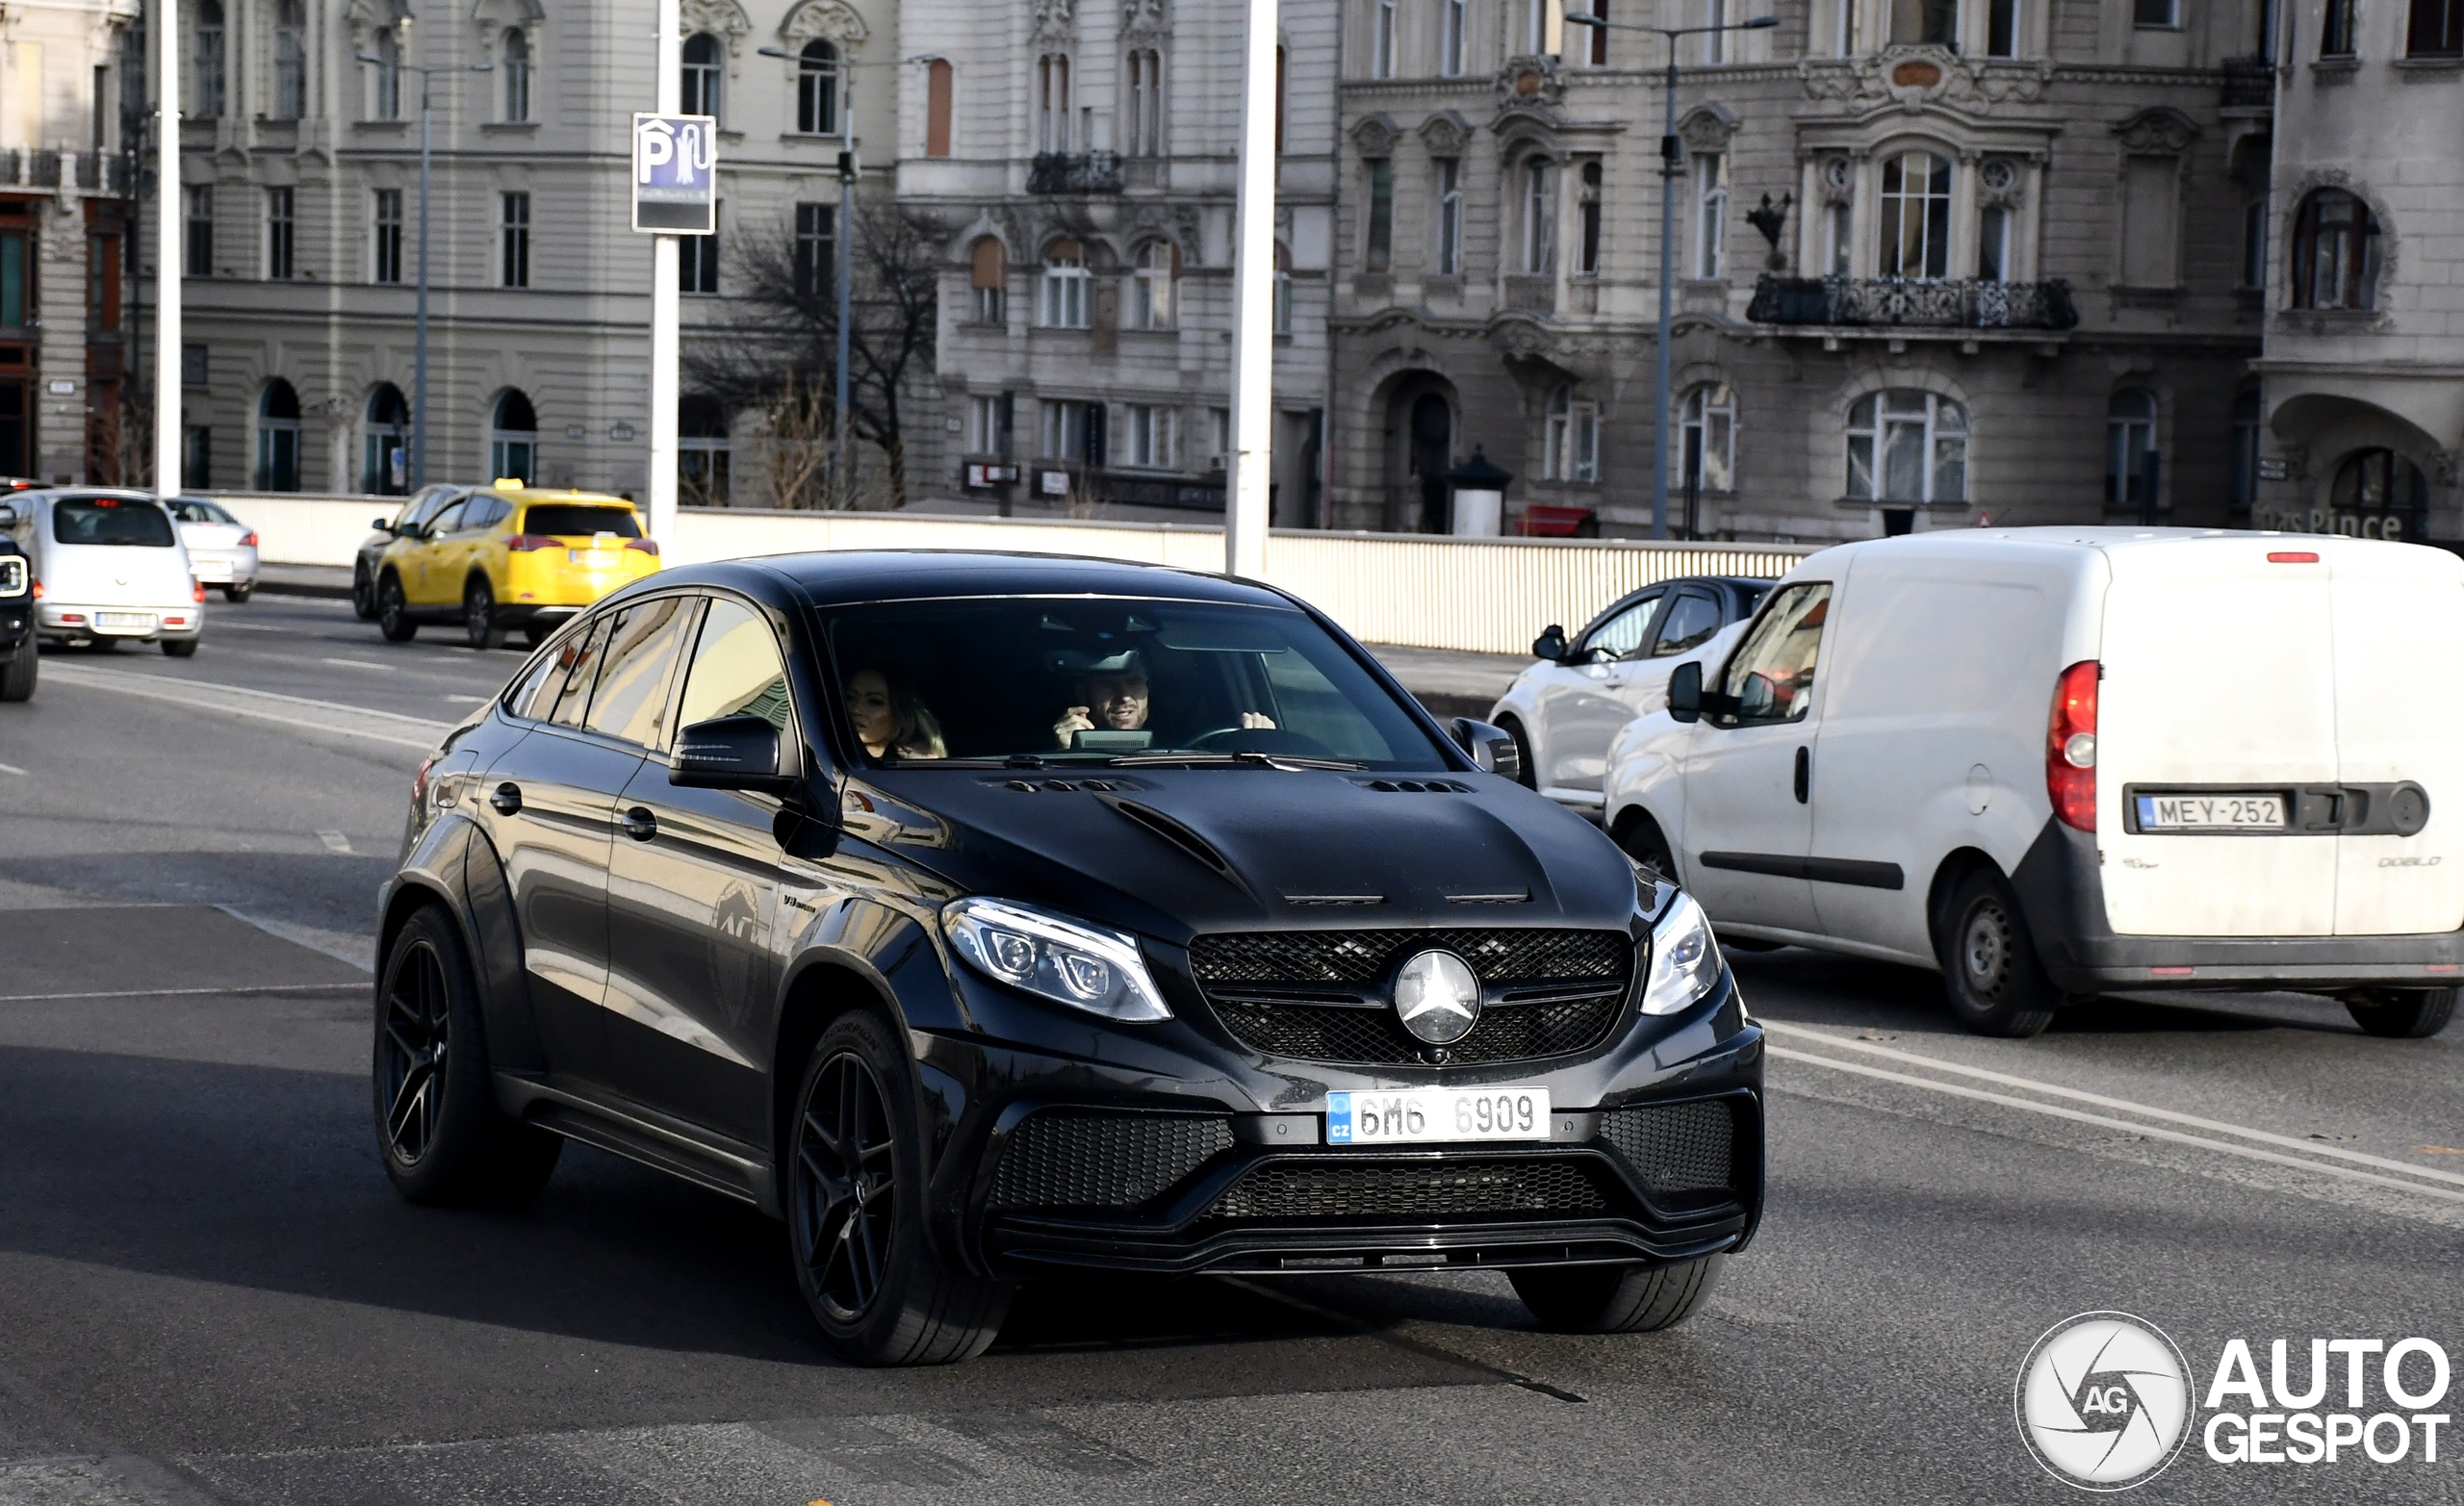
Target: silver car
[[112, 566], [223, 550]]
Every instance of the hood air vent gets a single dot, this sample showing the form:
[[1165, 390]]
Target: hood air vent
[[1416, 786], [1179, 836]]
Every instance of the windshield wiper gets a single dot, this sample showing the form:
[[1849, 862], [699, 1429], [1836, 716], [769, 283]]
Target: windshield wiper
[[1290, 764]]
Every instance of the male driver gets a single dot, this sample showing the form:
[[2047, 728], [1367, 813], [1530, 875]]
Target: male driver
[[1113, 698]]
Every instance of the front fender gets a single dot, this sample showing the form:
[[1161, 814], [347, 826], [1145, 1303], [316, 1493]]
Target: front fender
[[1647, 773]]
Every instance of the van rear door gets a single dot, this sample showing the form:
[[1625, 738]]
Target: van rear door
[[2218, 688], [2399, 621]]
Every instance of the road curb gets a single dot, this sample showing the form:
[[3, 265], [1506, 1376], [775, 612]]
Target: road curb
[[307, 588]]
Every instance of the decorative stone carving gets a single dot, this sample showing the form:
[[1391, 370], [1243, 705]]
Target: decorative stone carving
[[721, 18], [1839, 180], [1445, 133], [1531, 81], [1053, 19], [1375, 135], [2157, 132], [2443, 463], [1708, 128], [830, 20], [1999, 184], [1144, 18], [1914, 76]]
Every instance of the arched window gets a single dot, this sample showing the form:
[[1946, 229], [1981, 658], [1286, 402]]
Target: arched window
[[513, 438], [386, 78], [1906, 445], [1282, 289], [1146, 102], [701, 450], [1052, 103], [385, 468], [1707, 443], [2245, 451], [2378, 482], [1155, 286], [1916, 215], [1065, 286], [290, 60], [278, 438], [1539, 215], [1572, 442], [989, 273], [2130, 444], [205, 63], [817, 89], [2335, 253], [517, 74], [701, 72]]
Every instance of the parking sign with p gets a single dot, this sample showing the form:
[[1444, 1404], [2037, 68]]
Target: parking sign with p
[[676, 159]]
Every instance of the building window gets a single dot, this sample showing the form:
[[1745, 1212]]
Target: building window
[[1706, 441], [386, 81], [1930, 21], [1715, 21], [1571, 448], [816, 250], [2156, 14], [1146, 103], [1710, 213], [1052, 103], [517, 75], [1916, 215], [385, 438], [290, 60], [2150, 221], [196, 456], [1155, 286], [1220, 421], [195, 365], [985, 433], [938, 80], [1381, 215], [702, 452], [387, 236], [1837, 244], [280, 232], [989, 275], [1587, 247], [1280, 79], [2435, 29], [1069, 428], [2245, 453], [206, 64], [697, 264], [1449, 217], [1154, 437], [513, 438], [2002, 29], [1844, 37], [2130, 445], [513, 229], [1381, 44], [2254, 241], [1449, 39], [1993, 244], [817, 89], [196, 237], [2337, 28], [700, 74], [1906, 445], [1539, 216], [1282, 289], [278, 438], [1596, 46], [1535, 35], [2335, 253], [2378, 480], [1065, 303]]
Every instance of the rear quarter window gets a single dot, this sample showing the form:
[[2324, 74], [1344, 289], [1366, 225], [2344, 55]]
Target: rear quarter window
[[574, 520], [110, 520]]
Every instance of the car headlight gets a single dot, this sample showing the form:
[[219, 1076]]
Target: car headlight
[[1062, 961], [1686, 960]]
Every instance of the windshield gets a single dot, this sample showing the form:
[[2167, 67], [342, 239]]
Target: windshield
[[1079, 680], [569, 520], [110, 520]]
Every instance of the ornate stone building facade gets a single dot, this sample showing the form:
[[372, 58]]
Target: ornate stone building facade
[[1936, 262]]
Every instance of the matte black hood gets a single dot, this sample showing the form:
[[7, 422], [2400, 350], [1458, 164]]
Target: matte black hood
[[1172, 853]]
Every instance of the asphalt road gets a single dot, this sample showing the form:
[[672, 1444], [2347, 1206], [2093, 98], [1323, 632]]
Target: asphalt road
[[208, 1293]]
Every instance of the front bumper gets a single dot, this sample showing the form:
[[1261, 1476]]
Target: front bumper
[[74, 622]]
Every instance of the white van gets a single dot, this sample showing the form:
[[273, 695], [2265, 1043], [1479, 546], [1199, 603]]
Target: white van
[[2055, 762], [110, 565]]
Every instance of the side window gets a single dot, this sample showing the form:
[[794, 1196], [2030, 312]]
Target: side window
[[534, 693], [1624, 633], [582, 656], [736, 669], [640, 667], [484, 511], [446, 519], [1771, 677], [1690, 620]]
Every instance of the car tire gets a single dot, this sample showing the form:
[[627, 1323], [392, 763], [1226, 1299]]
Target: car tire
[[480, 623], [181, 647], [1989, 969], [1527, 771], [1641, 838], [855, 1211], [536, 634], [363, 593], [393, 613], [17, 679], [1616, 1299], [239, 590], [2403, 1013], [439, 1131]]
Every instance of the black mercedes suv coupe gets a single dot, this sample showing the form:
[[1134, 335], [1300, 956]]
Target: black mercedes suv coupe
[[983, 915]]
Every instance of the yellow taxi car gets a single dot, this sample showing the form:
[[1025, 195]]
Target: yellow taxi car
[[510, 556]]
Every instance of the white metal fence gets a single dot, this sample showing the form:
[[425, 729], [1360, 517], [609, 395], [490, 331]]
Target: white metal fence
[[1489, 596]]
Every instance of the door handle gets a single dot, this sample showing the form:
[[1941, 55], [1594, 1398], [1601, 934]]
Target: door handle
[[639, 824], [1805, 774], [506, 798]]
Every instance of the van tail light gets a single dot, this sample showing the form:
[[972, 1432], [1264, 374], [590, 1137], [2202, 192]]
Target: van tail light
[[647, 547], [524, 543], [2070, 746], [248, 543], [197, 591]]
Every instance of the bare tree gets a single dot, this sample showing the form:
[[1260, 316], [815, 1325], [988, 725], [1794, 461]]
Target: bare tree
[[777, 351]]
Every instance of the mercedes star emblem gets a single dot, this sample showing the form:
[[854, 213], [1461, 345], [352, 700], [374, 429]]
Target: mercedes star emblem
[[1437, 998]]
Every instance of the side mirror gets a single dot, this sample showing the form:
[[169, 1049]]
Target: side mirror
[[381, 524], [732, 753], [8, 516], [1550, 645], [1686, 692], [1492, 748]]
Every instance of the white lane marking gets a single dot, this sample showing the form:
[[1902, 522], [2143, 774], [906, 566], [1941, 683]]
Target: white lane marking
[[297, 938], [252, 627], [2147, 1131], [264, 705], [335, 841], [355, 664], [178, 993], [11, 768], [468, 700], [2036, 1085]]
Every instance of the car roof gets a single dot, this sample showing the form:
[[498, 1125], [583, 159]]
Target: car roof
[[528, 496], [79, 493], [1733, 583], [844, 577]]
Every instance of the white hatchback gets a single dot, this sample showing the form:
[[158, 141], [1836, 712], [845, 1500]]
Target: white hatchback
[[110, 565]]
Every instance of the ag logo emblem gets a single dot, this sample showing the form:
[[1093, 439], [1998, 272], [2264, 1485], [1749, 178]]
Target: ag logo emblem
[[2104, 1401]]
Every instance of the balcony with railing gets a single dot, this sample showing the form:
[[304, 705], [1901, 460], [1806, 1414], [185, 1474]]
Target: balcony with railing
[[1895, 302], [2250, 83], [1075, 172]]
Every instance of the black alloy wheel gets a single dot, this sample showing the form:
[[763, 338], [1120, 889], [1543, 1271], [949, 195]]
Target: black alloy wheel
[[479, 615], [412, 1046], [181, 647], [855, 1179], [2403, 1013], [393, 613], [362, 592], [239, 590], [1989, 968]]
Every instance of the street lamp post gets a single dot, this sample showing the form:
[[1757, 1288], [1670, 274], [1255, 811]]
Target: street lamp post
[[168, 261], [1671, 159]]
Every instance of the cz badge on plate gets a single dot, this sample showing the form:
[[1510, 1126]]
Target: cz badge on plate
[[1428, 1116]]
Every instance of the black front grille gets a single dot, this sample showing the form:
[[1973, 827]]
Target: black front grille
[[1422, 1191], [1676, 1147], [1552, 993], [1067, 1158]]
